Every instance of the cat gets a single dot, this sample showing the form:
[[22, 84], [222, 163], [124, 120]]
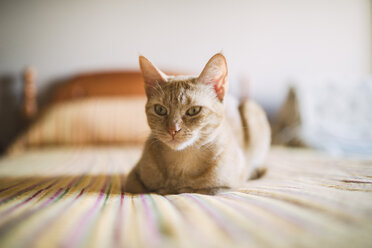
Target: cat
[[202, 140]]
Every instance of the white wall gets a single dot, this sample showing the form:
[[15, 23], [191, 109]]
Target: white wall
[[268, 41]]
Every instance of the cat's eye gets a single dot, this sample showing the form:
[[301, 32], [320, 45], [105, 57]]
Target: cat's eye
[[193, 110], [160, 110]]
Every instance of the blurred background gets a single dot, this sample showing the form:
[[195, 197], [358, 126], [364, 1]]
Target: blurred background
[[269, 46]]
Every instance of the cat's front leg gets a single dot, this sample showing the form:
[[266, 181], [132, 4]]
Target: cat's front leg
[[134, 184]]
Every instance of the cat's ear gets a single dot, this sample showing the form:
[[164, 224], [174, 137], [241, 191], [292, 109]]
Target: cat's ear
[[151, 75], [215, 74]]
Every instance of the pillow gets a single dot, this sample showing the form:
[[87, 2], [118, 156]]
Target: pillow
[[89, 121]]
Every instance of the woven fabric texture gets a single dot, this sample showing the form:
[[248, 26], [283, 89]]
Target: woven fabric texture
[[74, 197]]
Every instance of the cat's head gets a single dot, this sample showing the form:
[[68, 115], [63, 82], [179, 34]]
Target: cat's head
[[183, 111]]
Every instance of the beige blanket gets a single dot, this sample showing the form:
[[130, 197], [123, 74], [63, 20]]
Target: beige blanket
[[73, 197]]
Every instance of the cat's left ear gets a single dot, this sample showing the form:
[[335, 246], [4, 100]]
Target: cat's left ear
[[151, 75], [215, 74]]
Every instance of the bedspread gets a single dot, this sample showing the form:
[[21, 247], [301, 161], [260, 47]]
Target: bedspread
[[74, 197]]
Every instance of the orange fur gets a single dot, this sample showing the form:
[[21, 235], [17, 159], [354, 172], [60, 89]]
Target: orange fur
[[210, 151]]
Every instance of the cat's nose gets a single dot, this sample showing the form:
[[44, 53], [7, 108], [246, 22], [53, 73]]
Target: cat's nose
[[174, 130]]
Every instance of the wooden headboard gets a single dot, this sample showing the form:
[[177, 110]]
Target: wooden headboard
[[100, 84], [97, 84]]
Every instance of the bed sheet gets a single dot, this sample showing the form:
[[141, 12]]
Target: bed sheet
[[74, 197]]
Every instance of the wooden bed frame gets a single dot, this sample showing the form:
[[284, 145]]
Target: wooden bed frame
[[97, 84]]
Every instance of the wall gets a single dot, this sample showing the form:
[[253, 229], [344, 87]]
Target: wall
[[266, 42]]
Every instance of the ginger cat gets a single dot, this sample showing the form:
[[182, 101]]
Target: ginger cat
[[202, 140]]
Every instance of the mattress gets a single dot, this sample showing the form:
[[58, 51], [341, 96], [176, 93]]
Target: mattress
[[74, 197]]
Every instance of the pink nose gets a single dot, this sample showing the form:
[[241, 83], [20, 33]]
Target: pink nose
[[174, 130]]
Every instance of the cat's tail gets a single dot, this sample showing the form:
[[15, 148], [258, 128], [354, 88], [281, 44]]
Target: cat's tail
[[257, 136]]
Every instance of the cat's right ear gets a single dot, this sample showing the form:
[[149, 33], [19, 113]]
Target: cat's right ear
[[151, 75]]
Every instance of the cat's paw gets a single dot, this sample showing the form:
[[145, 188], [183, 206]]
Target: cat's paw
[[134, 185], [213, 191], [204, 191], [257, 173], [164, 191]]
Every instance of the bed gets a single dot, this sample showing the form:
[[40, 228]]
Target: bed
[[61, 184]]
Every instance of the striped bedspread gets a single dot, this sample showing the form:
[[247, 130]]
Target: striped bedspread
[[73, 197]]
